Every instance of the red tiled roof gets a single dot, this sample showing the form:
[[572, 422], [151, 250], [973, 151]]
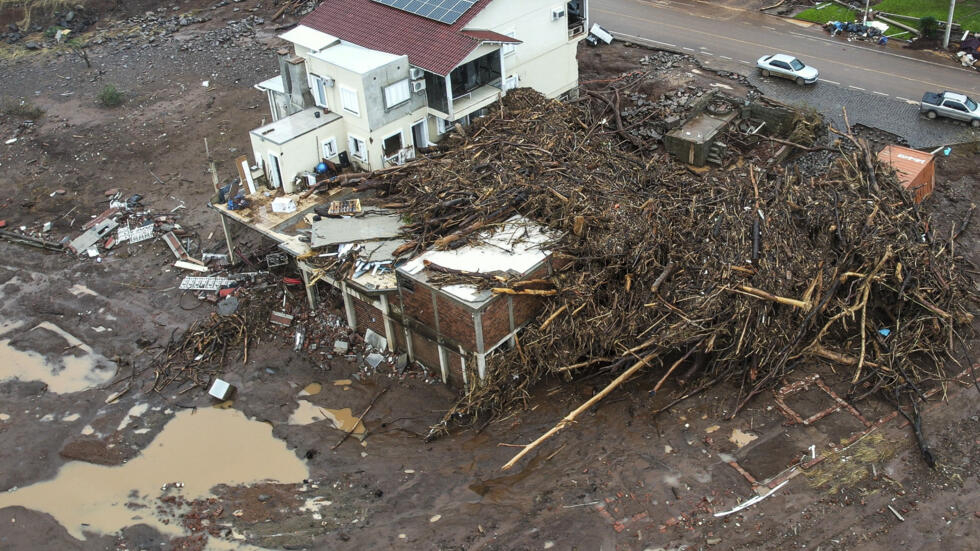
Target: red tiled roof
[[490, 36], [434, 46]]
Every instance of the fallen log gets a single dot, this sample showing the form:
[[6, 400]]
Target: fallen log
[[568, 419], [759, 293], [538, 292]]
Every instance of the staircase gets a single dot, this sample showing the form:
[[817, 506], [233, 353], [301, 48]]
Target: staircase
[[716, 153]]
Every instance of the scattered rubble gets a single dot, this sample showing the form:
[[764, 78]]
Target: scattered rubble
[[756, 272]]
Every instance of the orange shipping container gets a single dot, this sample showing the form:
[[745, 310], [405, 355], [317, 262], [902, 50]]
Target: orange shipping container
[[916, 169]]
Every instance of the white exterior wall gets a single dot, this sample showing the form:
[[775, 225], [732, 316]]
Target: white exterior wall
[[546, 59], [300, 154]]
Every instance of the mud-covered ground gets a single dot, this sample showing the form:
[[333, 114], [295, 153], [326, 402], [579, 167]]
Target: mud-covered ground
[[621, 478]]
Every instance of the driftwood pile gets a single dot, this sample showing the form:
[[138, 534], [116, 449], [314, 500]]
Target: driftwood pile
[[746, 275], [203, 351]]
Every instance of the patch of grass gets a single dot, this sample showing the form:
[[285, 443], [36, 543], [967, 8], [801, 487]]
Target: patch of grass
[[847, 467], [966, 13], [110, 96], [833, 12], [30, 8], [20, 108]]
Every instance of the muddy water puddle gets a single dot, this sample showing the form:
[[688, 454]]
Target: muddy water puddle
[[77, 367], [198, 449], [307, 413]]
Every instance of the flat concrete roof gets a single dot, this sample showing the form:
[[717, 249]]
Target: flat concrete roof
[[295, 125], [354, 58], [515, 247], [274, 84], [371, 225], [701, 127], [309, 37]]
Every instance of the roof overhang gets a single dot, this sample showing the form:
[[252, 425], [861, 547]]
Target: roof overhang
[[309, 38]]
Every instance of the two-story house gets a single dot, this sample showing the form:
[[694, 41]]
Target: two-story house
[[371, 81]]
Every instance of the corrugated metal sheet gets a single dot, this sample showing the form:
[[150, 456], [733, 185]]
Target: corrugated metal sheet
[[916, 169]]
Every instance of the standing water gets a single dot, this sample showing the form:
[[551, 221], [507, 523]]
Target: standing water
[[200, 449]]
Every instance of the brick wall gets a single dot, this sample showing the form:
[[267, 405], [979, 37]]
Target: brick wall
[[416, 301], [426, 352], [456, 322], [496, 319], [401, 343], [496, 315], [368, 317], [455, 371]]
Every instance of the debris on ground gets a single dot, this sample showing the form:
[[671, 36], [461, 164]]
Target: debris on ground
[[752, 272]]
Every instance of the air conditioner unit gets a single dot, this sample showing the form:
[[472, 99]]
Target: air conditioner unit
[[557, 13], [418, 85], [416, 73], [328, 82]]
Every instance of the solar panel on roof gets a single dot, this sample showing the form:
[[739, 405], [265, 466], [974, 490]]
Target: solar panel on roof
[[443, 11]]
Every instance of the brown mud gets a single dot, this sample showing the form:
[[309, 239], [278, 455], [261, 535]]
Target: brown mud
[[621, 478]]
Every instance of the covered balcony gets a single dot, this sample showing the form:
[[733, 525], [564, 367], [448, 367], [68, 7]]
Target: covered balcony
[[468, 88]]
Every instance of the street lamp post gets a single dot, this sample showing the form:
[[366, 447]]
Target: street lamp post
[[949, 24]]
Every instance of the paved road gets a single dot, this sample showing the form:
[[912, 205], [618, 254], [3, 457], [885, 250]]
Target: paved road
[[879, 86]]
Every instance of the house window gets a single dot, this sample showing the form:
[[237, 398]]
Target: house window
[[508, 49], [358, 148], [348, 99], [397, 93], [330, 148], [319, 88], [392, 144]]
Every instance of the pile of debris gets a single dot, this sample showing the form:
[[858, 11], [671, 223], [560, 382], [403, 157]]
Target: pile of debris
[[126, 220], [751, 274]]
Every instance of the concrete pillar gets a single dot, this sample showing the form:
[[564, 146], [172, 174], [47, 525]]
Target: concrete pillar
[[449, 96], [481, 365], [443, 364], [462, 362], [389, 327], [348, 306], [310, 291], [409, 344]]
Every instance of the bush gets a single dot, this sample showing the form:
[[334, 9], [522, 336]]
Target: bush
[[19, 108], [929, 26], [110, 97]]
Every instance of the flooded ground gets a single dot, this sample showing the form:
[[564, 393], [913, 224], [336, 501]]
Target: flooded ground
[[66, 365], [196, 451]]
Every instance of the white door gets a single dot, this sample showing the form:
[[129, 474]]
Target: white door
[[273, 173], [420, 134]]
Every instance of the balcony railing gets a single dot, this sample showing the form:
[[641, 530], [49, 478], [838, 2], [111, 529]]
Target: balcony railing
[[401, 157]]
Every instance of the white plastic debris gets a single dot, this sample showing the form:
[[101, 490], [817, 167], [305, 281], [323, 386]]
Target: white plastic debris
[[220, 389]]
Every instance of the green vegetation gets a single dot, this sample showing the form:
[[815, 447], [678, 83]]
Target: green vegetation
[[966, 13], [831, 12], [929, 26], [20, 108], [110, 96], [37, 7]]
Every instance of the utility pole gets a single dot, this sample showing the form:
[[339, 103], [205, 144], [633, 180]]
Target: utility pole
[[224, 223], [867, 5], [949, 24]]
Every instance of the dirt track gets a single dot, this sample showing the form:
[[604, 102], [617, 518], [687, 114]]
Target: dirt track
[[620, 479]]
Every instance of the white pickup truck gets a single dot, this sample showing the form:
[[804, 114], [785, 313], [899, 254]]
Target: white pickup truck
[[952, 106]]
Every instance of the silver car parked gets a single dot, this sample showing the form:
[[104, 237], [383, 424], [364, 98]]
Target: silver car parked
[[787, 66]]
